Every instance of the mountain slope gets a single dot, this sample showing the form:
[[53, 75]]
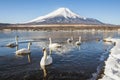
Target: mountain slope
[[63, 16]]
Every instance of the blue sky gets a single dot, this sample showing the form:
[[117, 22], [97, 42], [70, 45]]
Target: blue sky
[[17, 11]]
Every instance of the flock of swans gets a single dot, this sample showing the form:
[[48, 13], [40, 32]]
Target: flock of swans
[[46, 59]]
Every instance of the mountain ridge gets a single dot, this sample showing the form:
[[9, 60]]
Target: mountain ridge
[[64, 16]]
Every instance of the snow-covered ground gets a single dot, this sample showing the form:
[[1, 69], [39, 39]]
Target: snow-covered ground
[[112, 65]]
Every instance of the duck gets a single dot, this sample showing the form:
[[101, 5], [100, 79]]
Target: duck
[[53, 46], [69, 40], [13, 44], [78, 42], [24, 51], [46, 59]]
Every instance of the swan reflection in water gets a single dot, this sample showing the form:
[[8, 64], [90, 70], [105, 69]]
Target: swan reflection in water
[[45, 61], [23, 55], [28, 56], [78, 47], [43, 67]]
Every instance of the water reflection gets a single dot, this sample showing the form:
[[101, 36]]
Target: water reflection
[[24, 55], [28, 57], [73, 56], [17, 48], [78, 46], [44, 71]]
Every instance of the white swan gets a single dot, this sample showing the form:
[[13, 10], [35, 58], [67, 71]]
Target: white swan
[[78, 42], [46, 59], [13, 44], [24, 51], [69, 40], [53, 46]]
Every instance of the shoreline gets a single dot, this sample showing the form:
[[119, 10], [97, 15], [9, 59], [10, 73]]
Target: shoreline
[[111, 69], [59, 27]]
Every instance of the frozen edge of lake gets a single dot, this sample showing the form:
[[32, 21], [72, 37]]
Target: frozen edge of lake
[[112, 65]]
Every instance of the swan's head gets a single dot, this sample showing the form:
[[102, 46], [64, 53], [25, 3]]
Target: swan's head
[[50, 38], [17, 36], [44, 49], [30, 43]]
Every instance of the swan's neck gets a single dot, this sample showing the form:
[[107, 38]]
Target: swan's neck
[[16, 38], [50, 51], [80, 39], [45, 55], [50, 40], [28, 46]]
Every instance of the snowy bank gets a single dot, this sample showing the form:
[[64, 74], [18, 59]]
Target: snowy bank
[[112, 65]]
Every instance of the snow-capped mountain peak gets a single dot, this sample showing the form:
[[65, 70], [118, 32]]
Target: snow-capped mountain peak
[[63, 16], [65, 12]]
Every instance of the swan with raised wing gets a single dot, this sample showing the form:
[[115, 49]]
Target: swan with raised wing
[[78, 42], [24, 51], [13, 44], [46, 59]]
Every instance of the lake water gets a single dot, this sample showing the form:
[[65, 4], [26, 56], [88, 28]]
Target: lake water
[[71, 62]]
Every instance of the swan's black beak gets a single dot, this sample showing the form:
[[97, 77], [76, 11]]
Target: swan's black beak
[[30, 43], [43, 49], [17, 36]]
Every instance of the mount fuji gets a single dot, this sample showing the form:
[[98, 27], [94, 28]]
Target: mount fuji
[[64, 16]]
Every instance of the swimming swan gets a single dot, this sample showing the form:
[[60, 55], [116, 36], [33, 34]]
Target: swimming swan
[[69, 40], [24, 51], [53, 46], [13, 44], [78, 42], [46, 59]]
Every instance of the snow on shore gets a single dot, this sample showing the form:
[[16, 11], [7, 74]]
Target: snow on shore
[[112, 65]]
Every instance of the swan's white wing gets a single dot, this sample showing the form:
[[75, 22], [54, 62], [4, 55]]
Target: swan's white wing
[[54, 45], [47, 62], [22, 51]]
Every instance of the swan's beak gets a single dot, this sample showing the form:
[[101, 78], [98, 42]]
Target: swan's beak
[[50, 38], [17, 36], [30, 43], [43, 50]]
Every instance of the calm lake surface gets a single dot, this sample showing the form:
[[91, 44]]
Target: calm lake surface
[[71, 62]]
